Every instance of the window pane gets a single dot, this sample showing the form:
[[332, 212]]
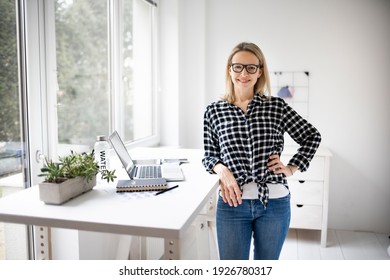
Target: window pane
[[137, 70], [82, 70], [13, 238]]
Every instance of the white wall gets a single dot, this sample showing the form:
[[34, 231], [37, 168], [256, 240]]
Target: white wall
[[169, 72], [345, 46]]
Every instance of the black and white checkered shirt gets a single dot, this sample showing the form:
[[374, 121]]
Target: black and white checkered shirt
[[243, 142]]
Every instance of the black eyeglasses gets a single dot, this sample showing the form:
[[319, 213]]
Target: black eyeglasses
[[250, 68]]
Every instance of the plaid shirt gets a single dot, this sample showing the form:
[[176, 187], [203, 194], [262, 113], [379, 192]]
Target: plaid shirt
[[243, 142]]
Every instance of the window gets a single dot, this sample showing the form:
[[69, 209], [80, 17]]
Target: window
[[93, 71], [82, 46], [104, 78]]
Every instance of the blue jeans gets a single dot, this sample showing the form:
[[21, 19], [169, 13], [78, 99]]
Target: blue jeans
[[269, 226]]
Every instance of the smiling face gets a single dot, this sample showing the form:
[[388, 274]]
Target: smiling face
[[244, 81]]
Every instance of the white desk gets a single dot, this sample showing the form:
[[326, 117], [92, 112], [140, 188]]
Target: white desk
[[103, 210]]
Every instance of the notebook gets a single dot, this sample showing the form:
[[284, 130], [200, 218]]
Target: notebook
[[168, 171], [141, 185]]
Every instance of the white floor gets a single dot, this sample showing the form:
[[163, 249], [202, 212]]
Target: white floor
[[341, 245]]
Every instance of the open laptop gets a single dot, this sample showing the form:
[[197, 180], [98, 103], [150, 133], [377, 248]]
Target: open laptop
[[171, 172]]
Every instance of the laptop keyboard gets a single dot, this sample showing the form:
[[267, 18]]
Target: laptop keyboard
[[153, 171]]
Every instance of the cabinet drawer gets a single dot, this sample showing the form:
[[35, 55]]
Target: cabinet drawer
[[307, 192], [314, 172], [306, 216]]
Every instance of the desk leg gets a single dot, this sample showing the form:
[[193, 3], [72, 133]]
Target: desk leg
[[324, 232], [171, 249], [123, 251], [42, 240]]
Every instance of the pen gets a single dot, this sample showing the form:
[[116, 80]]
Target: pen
[[160, 192]]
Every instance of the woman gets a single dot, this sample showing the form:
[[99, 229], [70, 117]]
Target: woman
[[243, 141]]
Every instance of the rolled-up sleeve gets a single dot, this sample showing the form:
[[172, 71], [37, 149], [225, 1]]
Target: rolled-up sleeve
[[210, 141], [304, 134]]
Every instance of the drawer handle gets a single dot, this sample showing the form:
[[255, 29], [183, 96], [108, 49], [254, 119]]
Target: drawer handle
[[301, 181], [299, 205]]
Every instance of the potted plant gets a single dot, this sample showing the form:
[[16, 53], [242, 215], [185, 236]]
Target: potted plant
[[73, 175]]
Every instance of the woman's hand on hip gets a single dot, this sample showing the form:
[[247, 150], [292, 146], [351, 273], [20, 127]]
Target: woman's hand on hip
[[230, 191], [275, 165]]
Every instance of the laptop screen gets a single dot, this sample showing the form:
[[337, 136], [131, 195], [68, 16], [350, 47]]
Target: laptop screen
[[121, 151]]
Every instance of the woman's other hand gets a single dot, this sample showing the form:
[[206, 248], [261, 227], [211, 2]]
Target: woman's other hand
[[230, 191]]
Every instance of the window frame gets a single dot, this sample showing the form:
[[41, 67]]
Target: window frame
[[41, 81], [115, 62]]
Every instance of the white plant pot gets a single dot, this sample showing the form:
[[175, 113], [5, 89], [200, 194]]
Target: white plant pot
[[52, 193]]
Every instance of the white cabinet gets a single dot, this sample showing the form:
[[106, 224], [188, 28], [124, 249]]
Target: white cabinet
[[310, 193]]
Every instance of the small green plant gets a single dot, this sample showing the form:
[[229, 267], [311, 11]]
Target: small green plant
[[74, 165]]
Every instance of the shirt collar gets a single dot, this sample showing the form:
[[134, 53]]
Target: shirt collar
[[257, 98]]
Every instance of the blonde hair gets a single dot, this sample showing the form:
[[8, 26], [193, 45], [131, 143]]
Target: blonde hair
[[262, 85]]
